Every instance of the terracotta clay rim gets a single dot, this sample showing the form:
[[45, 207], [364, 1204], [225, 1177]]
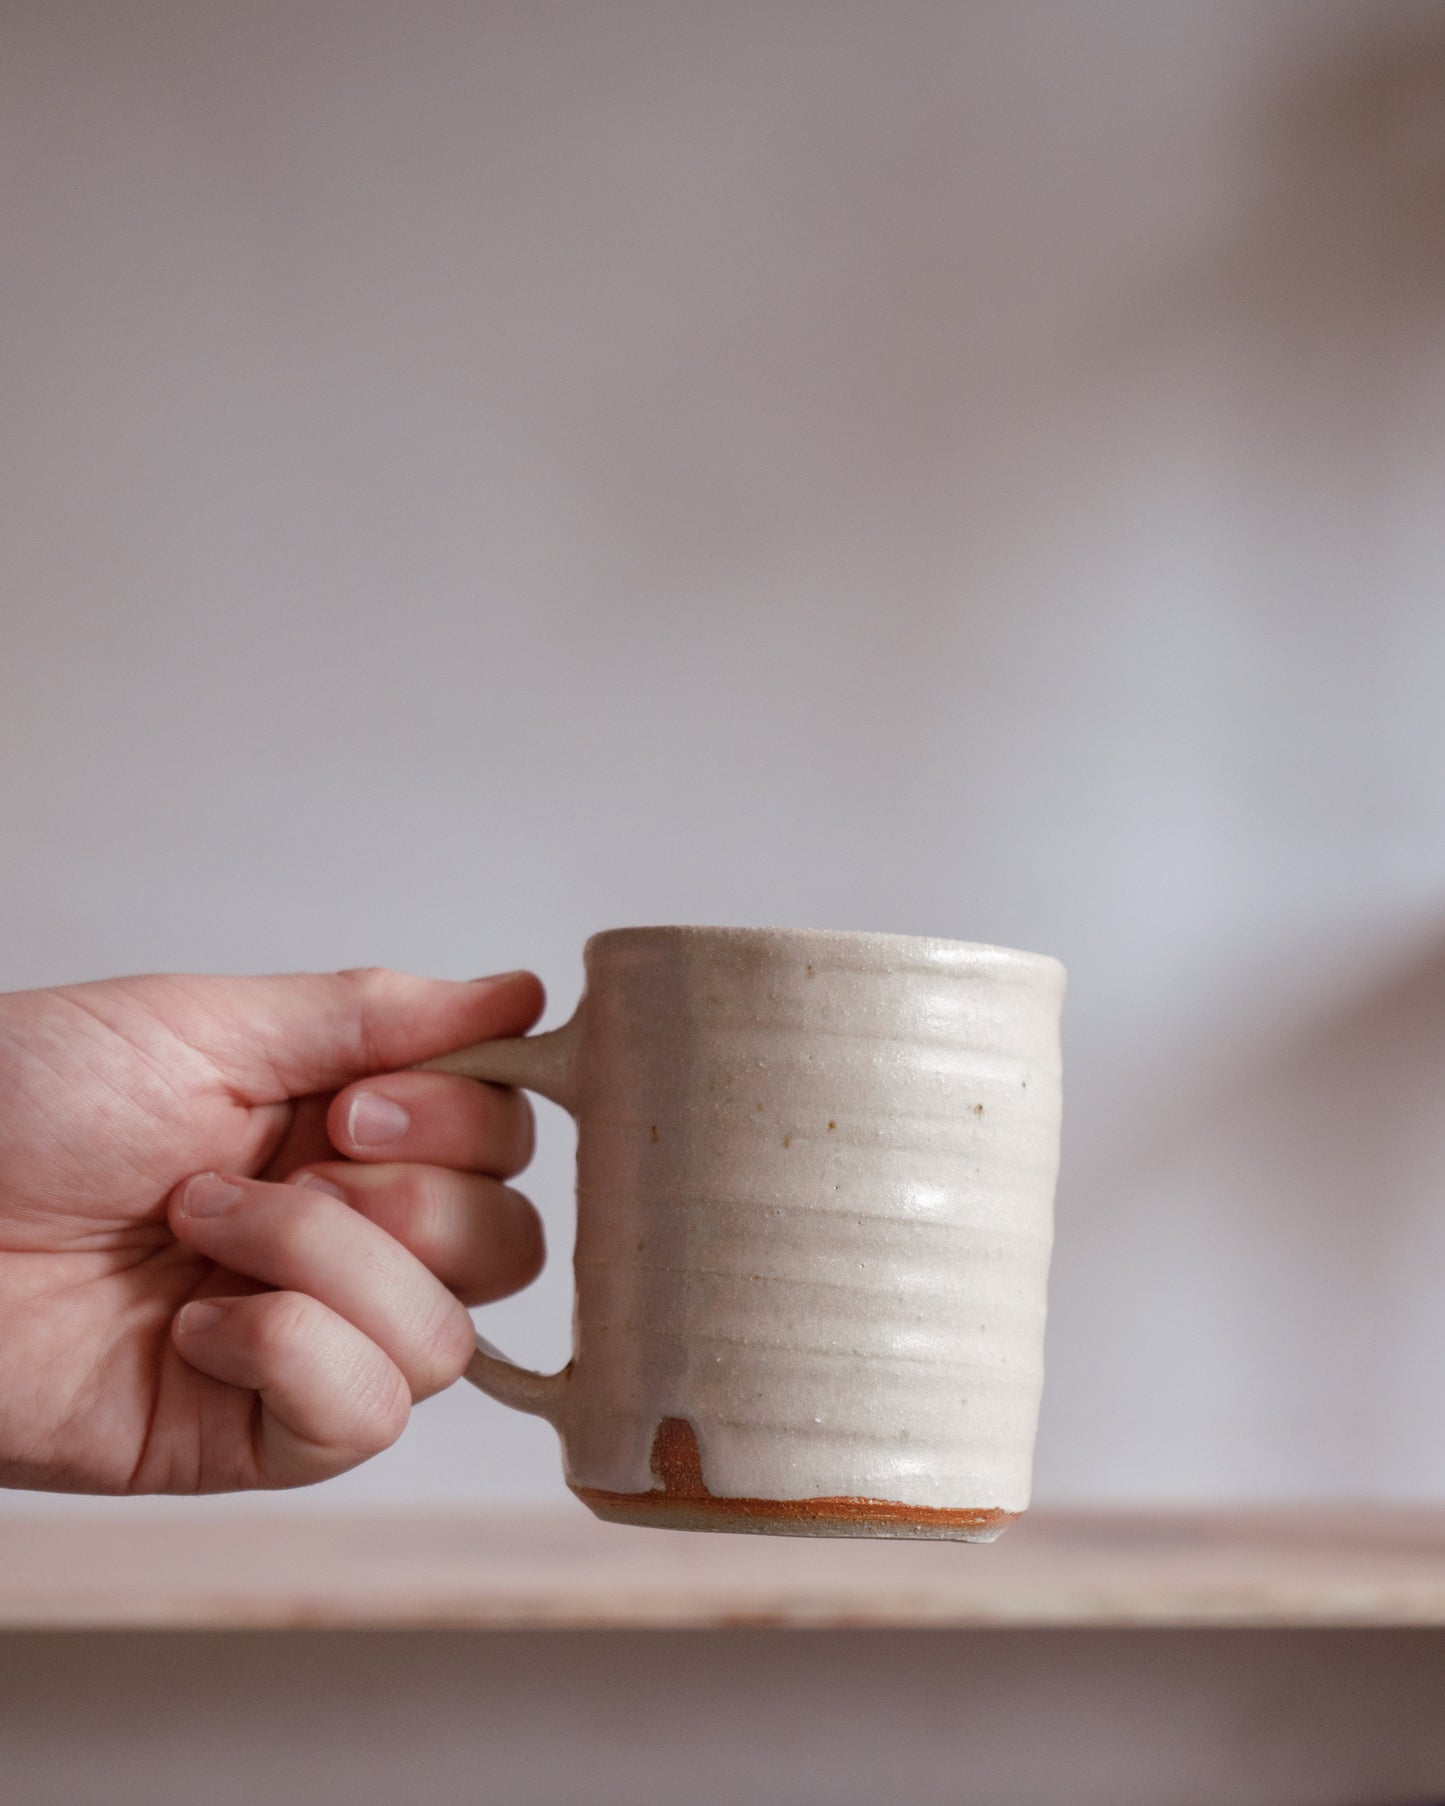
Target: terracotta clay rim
[[684, 1493], [884, 1513]]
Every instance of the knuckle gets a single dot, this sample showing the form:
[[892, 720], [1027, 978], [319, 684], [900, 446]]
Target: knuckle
[[278, 1321], [430, 1225], [382, 1405], [378, 991], [412, 1187], [290, 1233], [418, 1210], [368, 978], [444, 1347]]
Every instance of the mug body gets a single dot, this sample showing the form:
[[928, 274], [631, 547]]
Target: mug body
[[815, 1202]]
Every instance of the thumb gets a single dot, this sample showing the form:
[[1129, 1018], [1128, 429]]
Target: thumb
[[284, 1036]]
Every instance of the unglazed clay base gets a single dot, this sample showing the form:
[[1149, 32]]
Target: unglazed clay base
[[682, 1502]]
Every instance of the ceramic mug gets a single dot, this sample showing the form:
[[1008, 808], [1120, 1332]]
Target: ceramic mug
[[815, 1181]]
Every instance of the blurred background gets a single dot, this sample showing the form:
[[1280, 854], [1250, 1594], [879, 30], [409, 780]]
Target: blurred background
[[475, 474]]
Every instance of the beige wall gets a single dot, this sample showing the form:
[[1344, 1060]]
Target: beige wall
[[474, 474]]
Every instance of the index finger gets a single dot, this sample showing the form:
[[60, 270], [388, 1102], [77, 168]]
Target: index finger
[[435, 1119]]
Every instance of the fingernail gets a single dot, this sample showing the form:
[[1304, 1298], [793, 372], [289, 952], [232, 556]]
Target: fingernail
[[373, 1120], [203, 1313], [500, 978], [314, 1182], [209, 1195]]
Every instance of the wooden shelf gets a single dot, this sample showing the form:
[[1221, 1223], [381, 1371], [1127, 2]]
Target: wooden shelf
[[273, 1567]]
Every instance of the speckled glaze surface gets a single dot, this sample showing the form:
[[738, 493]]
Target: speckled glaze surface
[[815, 1180]]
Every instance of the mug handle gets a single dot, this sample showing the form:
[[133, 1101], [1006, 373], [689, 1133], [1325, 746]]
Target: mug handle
[[545, 1064]]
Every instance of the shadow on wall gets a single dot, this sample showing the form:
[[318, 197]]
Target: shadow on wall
[[1341, 244], [1312, 326], [1319, 315], [1311, 331], [1285, 1190], [1360, 149], [1300, 1182]]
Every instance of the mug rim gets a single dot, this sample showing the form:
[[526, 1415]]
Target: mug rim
[[929, 950]]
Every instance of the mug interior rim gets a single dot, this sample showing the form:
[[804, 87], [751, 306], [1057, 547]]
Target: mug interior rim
[[930, 949]]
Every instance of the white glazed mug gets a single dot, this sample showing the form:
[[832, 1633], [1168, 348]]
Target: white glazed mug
[[815, 1182]]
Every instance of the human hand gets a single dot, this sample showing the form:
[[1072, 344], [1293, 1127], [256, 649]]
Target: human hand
[[224, 1262]]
